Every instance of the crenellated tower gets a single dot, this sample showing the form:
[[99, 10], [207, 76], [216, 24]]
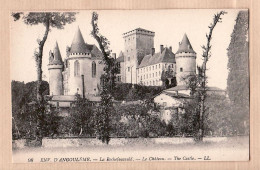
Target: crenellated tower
[[185, 61], [55, 68], [138, 43]]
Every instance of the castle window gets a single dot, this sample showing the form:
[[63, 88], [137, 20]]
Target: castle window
[[159, 65], [181, 69], [153, 67], [153, 74], [119, 78], [119, 68], [94, 69], [156, 67], [128, 58], [128, 68], [76, 68], [156, 74]]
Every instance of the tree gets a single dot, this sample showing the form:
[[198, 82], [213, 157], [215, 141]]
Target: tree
[[81, 117], [168, 78], [103, 112], [238, 77], [198, 84], [23, 117], [48, 20]]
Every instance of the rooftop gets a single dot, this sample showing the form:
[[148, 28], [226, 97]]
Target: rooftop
[[185, 45], [167, 56], [55, 57], [183, 87], [120, 57], [139, 30], [78, 44]]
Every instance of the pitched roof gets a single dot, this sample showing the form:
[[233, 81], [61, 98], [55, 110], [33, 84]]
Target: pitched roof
[[177, 88], [56, 56], [167, 56], [173, 95], [185, 46], [121, 57], [215, 89], [94, 51], [78, 44], [63, 98], [176, 95], [183, 87]]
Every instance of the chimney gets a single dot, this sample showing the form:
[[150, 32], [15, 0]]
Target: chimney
[[170, 48], [114, 55], [161, 48], [153, 51]]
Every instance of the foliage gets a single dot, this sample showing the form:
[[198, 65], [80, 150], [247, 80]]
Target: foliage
[[81, 117], [130, 92], [138, 120], [238, 77], [168, 78], [198, 84], [102, 113], [49, 20], [25, 111], [219, 119]]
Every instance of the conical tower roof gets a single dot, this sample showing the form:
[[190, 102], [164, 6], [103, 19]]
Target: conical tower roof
[[78, 44], [185, 46], [57, 56]]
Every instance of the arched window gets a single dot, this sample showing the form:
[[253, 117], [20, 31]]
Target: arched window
[[76, 68], [94, 69]]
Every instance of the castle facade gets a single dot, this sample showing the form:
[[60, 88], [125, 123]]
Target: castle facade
[[140, 64], [81, 70]]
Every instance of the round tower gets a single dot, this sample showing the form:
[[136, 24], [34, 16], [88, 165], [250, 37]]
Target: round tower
[[185, 61], [84, 67], [55, 68]]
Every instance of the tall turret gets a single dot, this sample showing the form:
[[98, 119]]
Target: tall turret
[[83, 67], [185, 61], [55, 68]]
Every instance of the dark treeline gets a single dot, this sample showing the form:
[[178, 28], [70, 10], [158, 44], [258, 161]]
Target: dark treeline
[[142, 119]]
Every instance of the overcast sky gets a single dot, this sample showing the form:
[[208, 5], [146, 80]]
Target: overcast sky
[[169, 27]]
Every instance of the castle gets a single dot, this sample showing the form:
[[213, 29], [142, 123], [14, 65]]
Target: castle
[[79, 73], [82, 68], [139, 64]]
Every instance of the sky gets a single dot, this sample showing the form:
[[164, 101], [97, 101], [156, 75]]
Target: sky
[[169, 27]]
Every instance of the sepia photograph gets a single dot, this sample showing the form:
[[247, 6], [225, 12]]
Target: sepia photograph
[[130, 85]]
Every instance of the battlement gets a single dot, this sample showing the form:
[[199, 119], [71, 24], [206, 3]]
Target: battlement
[[139, 31]]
